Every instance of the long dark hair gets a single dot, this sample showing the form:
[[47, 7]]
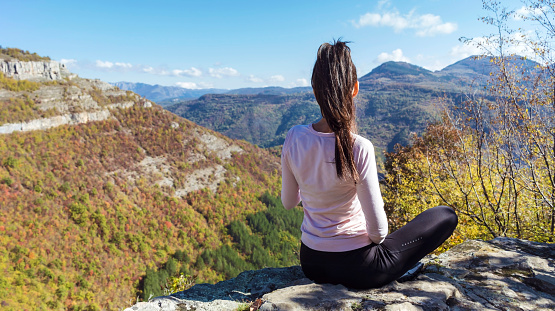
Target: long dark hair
[[333, 80]]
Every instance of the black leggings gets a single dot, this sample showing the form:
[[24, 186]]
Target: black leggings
[[378, 264]]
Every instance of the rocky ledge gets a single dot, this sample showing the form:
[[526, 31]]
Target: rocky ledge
[[35, 71], [501, 274]]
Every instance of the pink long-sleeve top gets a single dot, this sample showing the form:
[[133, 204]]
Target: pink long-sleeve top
[[338, 215]]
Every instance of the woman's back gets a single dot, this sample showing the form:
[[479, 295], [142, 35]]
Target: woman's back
[[334, 215]]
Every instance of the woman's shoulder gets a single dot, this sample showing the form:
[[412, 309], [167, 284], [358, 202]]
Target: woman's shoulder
[[298, 128], [363, 143], [294, 133], [298, 131]]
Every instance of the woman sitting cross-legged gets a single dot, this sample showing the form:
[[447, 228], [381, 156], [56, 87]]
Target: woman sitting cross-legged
[[333, 171]]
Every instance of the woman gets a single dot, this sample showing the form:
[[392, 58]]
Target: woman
[[333, 171]]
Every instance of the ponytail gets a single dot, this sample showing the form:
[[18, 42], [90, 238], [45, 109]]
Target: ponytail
[[333, 80]]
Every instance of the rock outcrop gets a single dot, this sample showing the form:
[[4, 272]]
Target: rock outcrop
[[66, 119], [34, 71], [502, 274], [75, 102]]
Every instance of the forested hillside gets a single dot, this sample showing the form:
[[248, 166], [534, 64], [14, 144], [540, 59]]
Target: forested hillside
[[88, 208], [260, 119]]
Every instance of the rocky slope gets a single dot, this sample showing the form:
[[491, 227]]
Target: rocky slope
[[57, 97], [98, 186], [501, 274]]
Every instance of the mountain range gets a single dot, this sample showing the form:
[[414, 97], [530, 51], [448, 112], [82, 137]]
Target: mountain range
[[166, 95], [470, 68], [395, 100]]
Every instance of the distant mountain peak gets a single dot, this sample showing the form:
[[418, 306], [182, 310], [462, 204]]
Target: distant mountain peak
[[483, 65], [469, 66], [393, 68]]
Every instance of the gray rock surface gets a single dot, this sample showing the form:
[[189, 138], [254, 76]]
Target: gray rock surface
[[35, 71], [66, 119], [69, 103], [501, 274]]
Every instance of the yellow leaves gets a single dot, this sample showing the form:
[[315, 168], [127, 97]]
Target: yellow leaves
[[17, 85], [178, 284], [473, 174]]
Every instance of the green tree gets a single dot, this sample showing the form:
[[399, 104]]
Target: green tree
[[151, 287]]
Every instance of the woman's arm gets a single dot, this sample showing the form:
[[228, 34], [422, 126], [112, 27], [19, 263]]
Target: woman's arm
[[372, 206], [290, 195], [369, 194]]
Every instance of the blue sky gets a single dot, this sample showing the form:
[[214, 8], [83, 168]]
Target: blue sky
[[233, 44]]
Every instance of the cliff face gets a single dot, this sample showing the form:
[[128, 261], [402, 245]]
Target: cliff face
[[67, 102], [502, 274], [34, 71], [65, 119]]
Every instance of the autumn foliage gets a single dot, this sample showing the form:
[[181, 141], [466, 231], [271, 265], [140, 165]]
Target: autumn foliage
[[491, 157], [81, 227]]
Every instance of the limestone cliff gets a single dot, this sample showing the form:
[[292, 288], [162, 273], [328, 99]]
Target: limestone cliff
[[34, 71], [502, 274], [71, 100]]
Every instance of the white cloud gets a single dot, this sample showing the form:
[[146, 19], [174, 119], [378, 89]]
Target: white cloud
[[433, 62], [103, 64], [272, 80], [436, 65], [194, 86], [254, 79], [301, 82], [483, 45], [526, 12], [110, 65], [393, 20], [425, 25], [465, 50], [383, 3], [192, 72], [70, 63], [124, 65], [276, 78], [223, 72], [395, 55], [205, 85], [431, 25], [188, 85]]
